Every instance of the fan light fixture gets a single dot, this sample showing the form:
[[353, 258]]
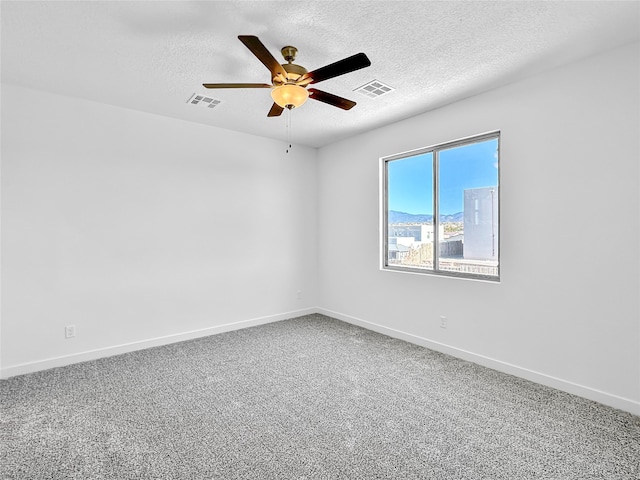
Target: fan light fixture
[[289, 96]]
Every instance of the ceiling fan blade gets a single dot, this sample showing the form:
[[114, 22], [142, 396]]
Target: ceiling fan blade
[[254, 44], [346, 65], [276, 110], [237, 85], [331, 99]]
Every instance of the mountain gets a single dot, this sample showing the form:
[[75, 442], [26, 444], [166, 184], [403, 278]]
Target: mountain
[[396, 217], [452, 217]]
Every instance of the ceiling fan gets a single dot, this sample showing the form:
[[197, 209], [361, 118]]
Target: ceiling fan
[[289, 81]]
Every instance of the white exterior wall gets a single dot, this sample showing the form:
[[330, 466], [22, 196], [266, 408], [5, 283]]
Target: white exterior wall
[[406, 241], [481, 223]]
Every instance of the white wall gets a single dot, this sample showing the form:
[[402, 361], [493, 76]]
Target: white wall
[[140, 228], [129, 226], [566, 312]]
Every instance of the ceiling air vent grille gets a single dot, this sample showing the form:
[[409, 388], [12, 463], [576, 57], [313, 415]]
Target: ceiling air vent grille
[[203, 100], [374, 89]]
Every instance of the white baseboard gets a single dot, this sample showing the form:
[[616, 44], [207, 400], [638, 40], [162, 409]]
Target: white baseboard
[[605, 398], [30, 367]]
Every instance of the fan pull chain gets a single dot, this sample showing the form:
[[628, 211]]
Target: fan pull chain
[[288, 129]]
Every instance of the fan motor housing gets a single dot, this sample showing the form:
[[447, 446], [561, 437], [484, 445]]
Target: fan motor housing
[[294, 72]]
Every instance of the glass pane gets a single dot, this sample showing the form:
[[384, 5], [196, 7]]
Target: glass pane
[[468, 201], [410, 211]]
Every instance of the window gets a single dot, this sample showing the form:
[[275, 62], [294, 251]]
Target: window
[[441, 209]]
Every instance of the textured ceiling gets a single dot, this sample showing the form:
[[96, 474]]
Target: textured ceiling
[[152, 56]]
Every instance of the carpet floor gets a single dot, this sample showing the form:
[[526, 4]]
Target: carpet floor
[[305, 398]]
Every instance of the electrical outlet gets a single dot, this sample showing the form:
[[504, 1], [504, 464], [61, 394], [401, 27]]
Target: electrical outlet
[[69, 331], [443, 321]]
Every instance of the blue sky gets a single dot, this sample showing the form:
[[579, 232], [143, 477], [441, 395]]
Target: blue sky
[[411, 179]]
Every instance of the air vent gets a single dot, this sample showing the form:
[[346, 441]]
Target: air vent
[[204, 101], [374, 89]]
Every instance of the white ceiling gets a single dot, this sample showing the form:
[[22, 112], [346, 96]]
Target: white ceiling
[[153, 55]]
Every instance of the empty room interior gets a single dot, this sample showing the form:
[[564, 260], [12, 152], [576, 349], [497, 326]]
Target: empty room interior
[[201, 261]]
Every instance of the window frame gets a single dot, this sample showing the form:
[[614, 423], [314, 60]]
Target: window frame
[[435, 151]]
